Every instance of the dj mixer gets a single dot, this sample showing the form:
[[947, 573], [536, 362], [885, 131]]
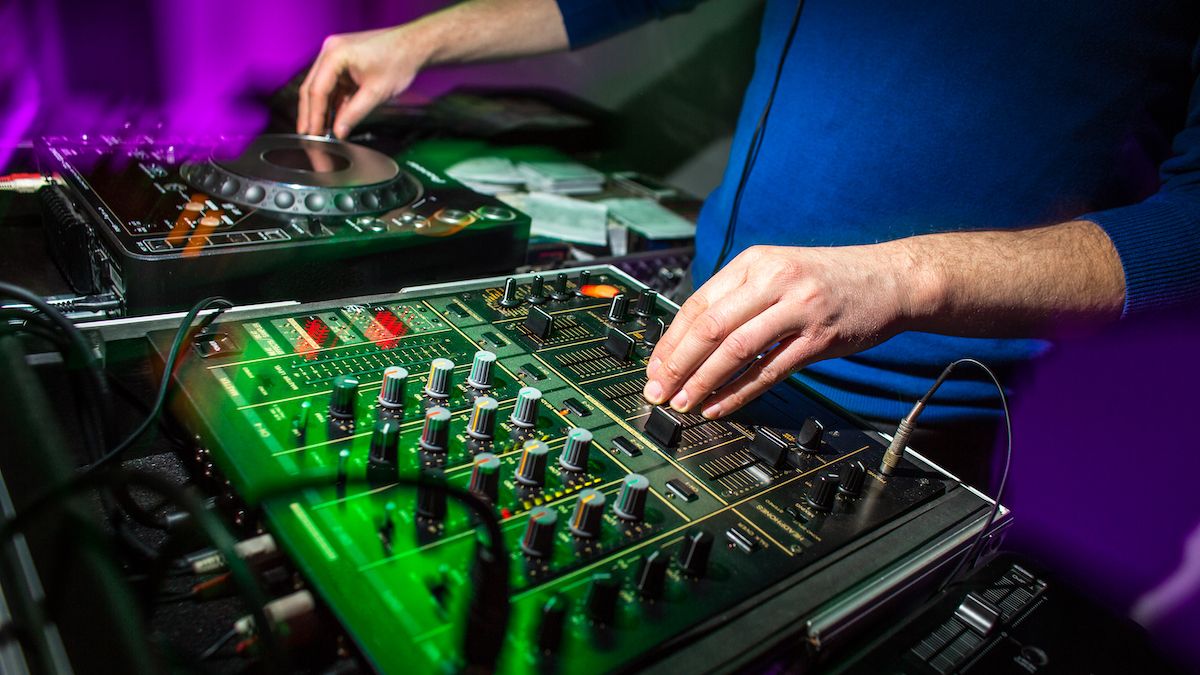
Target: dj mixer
[[629, 531]]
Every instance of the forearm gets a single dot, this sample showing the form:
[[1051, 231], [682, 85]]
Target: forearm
[[1035, 282], [483, 30]]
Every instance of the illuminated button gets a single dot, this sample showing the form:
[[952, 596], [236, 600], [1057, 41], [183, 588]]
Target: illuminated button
[[497, 213], [599, 291], [194, 206], [344, 202], [589, 514], [454, 217], [284, 199], [315, 201], [255, 193]]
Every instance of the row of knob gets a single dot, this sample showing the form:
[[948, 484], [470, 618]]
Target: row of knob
[[588, 516], [537, 295], [394, 386]]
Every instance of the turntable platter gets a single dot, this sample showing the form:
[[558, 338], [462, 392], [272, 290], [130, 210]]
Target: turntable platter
[[307, 175]]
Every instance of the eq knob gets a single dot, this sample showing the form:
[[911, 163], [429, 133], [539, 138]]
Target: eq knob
[[631, 500], [509, 298], [481, 370], [618, 311], [645, 303], [821, 496], [525, 411], [437, 385], [431, 496], [482, 425], [485, 476], [652, 575], [588, 515], [560, 291], [538, 540], [531, 470], [381, 459], [537, 290], [574, 456], [344, 397], [602, 598], [694, 552], [395, 382], [435, 435], [852, 480]]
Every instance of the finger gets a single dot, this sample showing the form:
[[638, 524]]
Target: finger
[[789, 356], [711, 293], [358, 107], [742, 346], [305, 95], [320, 92]]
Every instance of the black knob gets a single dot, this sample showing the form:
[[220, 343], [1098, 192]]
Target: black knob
[[510, 299], [631, 500], [652, 574], [537, 290], [820, 497], [852, 480], [538, 540], [482, 425], [431, 496], [392, 391], [481, 370], [694, 552], [554, 618], [602, 598], [435, 435], [618, 311], [525, 411], [654, 331], [532, 468], [381, 460], [645, 303], [809, 436], [560, 291], [589, 514], [574, 456], [485, 476], [585, 278], [437, 385], [344, 397]]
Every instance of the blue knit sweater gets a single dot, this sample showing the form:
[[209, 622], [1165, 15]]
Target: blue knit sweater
[[900, 118]]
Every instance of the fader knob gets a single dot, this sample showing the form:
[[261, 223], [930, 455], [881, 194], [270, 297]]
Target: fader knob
[[574, 456], [652, 574], [532, 468], [344, 397], [538, 540], [435, 435], [431, 496], [509, 298], [631, 500], [485, 476], [560, 291], [654, 331], [483, 418], [438, 383], [618, 311], [602, 598], [537, 290], [645, 303], [852, 481], [481, 370], [525, 412], [589, 514], [395, 382], [820, 497], [694, 552]]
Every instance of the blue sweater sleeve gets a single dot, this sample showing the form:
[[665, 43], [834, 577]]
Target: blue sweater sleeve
[[589, 21], [1158, 240]]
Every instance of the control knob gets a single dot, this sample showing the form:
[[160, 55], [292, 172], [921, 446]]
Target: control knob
[[538, 540], [525, 411], [532, 468], [395, 381], [438, 384], [344, 397], [482, 425], [574, 456], [694, 552], [589, 514], [631, 500], [485, 476], [435, 435]]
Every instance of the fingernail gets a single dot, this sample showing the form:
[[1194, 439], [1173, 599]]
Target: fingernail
[[652, 367], [340, 131], [712, 411], [680, 401], [653, 392]]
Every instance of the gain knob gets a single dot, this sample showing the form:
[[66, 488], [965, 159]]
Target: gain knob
[[631, 500], [852, 481], [485, 476], [589, 514], [532, 468], [652, 575], [574, 456], [618, 311], [391, 393], [694, 552], [510, 299], [645, 303], [344, 397], [821, 496], [525, 412], [435, 435], [537, 290], [481, 370], [382, 457], [538, 540], [438, 384], [560, 291], [483, 418]]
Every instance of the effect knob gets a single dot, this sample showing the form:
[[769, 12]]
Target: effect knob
[[560, 291], [618, 311], [694, 552], [510, 299], [574, 456], [344, 397], [631, 500], [537, 290], [481, 370], [809, 436], [820, 497], [435, 435], [525, 412], [538, 540], [431, 497], [645, 303], [482, 425], [602, 598], [382, 457], [395, 382], [652, 575], [532, 468], [589, 514], [485, 476], [438, 383], [852, 482]]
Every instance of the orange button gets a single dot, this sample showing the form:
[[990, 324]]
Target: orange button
[[599, 290]]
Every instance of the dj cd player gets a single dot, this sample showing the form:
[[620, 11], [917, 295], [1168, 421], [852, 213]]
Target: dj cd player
[[278, 217]]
